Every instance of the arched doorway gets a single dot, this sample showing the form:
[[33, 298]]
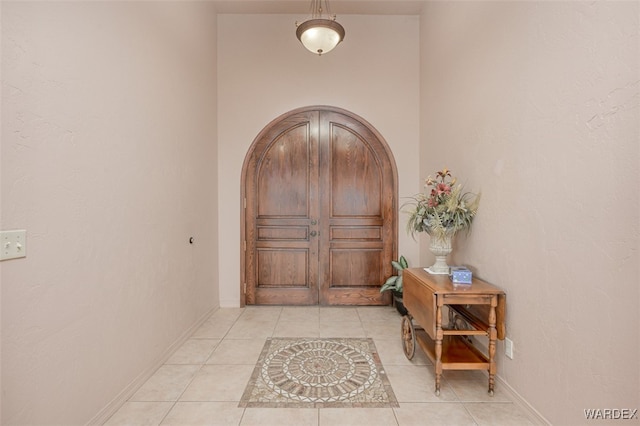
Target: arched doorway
[[319, 213]]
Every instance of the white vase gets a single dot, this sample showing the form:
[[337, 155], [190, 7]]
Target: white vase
[[441, 247]]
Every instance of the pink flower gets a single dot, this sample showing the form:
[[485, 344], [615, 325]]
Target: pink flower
[[443, 188]]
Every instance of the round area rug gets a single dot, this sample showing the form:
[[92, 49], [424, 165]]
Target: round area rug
[[319, 371]]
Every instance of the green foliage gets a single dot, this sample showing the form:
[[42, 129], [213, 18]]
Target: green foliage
[[394, 282]]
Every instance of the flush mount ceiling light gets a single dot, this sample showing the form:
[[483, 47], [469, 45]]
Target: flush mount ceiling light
[[320, 35]]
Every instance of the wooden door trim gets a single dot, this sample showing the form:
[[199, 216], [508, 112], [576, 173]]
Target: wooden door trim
[[259, 144]]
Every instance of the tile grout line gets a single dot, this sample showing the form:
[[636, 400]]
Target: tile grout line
[[244, 410], [128, 400], [201, 366], [467, 403]]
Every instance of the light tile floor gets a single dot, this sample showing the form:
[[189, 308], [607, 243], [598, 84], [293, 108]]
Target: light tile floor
[[203, 381]]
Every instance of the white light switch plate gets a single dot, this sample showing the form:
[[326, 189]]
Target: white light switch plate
[[508, 348], [13, 244]]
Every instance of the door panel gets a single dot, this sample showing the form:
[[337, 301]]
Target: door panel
[[352, 203], [281, 203], [354, 268], [355, 176], [319, 220], [283, 268], [283, 176]]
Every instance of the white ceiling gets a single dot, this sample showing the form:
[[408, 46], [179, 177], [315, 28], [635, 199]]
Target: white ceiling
[[339, 7]]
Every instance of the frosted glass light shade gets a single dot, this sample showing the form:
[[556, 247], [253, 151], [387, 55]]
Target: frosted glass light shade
[[320, 35]]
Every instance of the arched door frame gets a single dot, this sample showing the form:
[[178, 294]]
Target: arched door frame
[[259, 145]]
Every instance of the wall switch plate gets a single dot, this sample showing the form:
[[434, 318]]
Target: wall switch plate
[[508, 348], [13, 244]]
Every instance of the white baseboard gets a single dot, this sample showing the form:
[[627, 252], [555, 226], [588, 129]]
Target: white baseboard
[[532, 413], [229, 303], [109, 410], [522, 403]]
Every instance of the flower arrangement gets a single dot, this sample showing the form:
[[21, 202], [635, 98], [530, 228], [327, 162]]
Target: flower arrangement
[[444, 210]]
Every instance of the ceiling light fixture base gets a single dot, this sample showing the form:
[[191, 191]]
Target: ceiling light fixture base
[[320, 35]]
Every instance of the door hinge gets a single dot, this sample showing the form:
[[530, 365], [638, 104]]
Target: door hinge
[[245, 245], [244, 202], [245, 288]]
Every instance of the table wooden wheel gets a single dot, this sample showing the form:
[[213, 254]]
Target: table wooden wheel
[[408, 337]]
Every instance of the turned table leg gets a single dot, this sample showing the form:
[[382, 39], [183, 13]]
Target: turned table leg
[[438, 348], [493, 335]]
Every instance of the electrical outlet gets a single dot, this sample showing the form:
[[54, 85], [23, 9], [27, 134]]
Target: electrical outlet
[[508, 348], [13, 244]]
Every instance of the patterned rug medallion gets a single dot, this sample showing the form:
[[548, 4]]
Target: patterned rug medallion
[[318, 372]]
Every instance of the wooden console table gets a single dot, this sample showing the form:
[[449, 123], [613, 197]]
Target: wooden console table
[[474, 310]]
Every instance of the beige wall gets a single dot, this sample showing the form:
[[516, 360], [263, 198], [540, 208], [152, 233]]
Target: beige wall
[[108, 160], [264, 72], [536, 104], [108, 140]]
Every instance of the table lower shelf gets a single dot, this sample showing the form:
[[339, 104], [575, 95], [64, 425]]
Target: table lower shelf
[[457, 353]]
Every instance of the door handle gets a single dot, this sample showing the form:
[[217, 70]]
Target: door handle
[[314, 222], [313, 233]]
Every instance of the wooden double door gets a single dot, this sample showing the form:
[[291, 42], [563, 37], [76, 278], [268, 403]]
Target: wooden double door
[[319, 211]]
